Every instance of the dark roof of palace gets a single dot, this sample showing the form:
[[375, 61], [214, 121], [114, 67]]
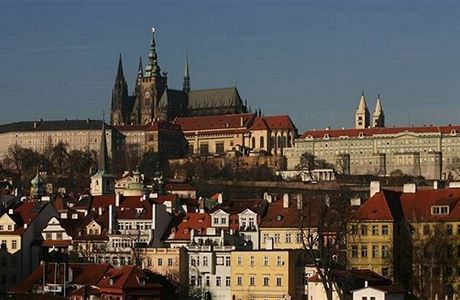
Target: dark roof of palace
[[54, 125], [221, 97]]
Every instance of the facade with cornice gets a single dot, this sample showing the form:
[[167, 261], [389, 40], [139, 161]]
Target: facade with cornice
[[428, 151]]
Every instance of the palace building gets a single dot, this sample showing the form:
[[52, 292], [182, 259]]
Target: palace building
[[153, 100], [429, 151]]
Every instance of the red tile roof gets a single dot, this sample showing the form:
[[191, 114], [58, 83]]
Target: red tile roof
[[280, 122], [127, 277], [259, 124], [383, 206], [172, 186], [279, 217], [24, 213], [352, 132], [181, 226], [215, 122]]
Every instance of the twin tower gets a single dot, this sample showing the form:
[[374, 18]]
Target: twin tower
[[362, 116]]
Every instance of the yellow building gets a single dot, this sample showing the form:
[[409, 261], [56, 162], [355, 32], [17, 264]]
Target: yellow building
[[170, 262], [266, 274], [280, 225]]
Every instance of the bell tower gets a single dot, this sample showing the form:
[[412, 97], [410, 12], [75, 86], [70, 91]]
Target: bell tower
[[362, 114], [378, 117]]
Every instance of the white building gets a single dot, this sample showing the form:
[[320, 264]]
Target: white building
[[378, 293]]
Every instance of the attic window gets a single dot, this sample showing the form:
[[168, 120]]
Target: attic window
[[361, 135], [453, 132], [440, 210], [326, 136]]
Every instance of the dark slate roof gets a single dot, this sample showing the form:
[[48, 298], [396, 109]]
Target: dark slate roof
[[221, 97], [55, 125]]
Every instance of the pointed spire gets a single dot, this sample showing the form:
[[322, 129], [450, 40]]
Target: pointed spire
[[362, 103], [120, 76], [152, 68], [378, 106], [103, 163], [140, 70], [186, 86]]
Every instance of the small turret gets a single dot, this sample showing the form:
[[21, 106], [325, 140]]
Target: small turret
[[36, 189], [140, 70], [103, 181], [152, 68]]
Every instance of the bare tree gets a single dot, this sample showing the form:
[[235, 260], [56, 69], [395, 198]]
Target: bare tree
[[323, 228]]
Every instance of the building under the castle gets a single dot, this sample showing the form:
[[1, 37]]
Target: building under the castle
[[152, 99], [371, 148]]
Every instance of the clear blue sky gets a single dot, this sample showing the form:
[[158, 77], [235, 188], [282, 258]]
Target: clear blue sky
[[308, 59]]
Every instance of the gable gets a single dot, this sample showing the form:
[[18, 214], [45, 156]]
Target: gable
[[5, 219]]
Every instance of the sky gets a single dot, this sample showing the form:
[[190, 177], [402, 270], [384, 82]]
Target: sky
[[308, 59]]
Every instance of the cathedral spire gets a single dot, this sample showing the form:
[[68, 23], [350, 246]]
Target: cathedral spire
[[152, 68], [186, 86], [120, 76], [140, 70]]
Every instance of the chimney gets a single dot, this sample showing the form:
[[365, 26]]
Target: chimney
[[25, 225], [75, 216], [299, 201], [241, 121], [409, 188], [154, 209], [110, 218], [268, 197], [35, 124], [10, 211], [201, 203], [366, 283], [220, 198], [99, 211], [117, 200], [356, 201], [285, 200], [435, 185], [63, 215], [374, 188]]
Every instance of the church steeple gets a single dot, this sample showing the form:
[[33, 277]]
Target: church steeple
[[103, 163], [140, 69], [152, 68], [362, 114], [186, 86], [378, 117], [102, 182], [119, 96]]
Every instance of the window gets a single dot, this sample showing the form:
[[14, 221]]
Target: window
[[385, 252], [216, 220], [253, 142], [278, 281], [288, 238], [262, 142], [205, 261], [363, 229], [59, 236], [227, 281], [223, 221], [220, 149], [277, 238], [207, 281], [363, 251], [375, 229], [10, 227], [240, 261], [265, 260], [218, 281], [364, 298], [239, 280], [426, 229], [299, 237], [1, 227], [385, 272], [354, 251], [354, 229], [49, 236], [160, 262], [375, 251], [170, 262], [279, 261], [384, 229], [14, 244], [251, 261], [227, 261], [204, 149], [266, 281], [265, 237], [252, 281], [449, 229]]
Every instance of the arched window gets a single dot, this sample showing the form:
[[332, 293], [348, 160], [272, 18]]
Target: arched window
[[253, 142], [272, 142], [284, 142], [279, 143], [289, 144], [262, 142]]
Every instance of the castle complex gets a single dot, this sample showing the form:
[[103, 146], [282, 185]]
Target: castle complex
[[428, 151], [154, 100]]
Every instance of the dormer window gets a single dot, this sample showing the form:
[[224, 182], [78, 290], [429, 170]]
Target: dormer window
[[361, 135], [453, 132], [326, 136], [440, 210]]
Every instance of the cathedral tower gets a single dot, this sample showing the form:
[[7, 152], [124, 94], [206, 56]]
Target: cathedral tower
[[378, 117], [362, 114], [119, 112], [186, 86], [150, 87]]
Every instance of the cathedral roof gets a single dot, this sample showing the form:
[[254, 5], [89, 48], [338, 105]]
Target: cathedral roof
[[215, 122], [55, 125], [221, 97]]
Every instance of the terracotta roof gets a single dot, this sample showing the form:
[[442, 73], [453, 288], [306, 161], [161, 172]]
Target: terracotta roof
[[127, 277], [222, 122], [279, 217], [56, 243], [24, 213], [236, 206], [352, 132], [383, 206], [53, 125], [181, 226], [259, 124], [280, 122], [417, 206], [179, 187], [83, 274]]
